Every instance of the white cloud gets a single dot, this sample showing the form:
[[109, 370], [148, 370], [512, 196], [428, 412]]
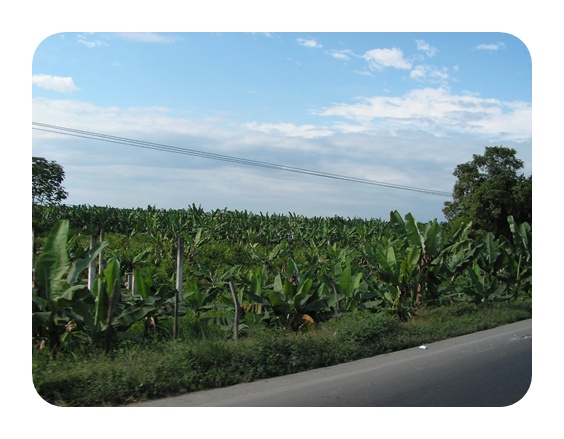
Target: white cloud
[[438, 111], [512, 120], [363, 73], [55, 83], [343, 55], [85, 41], [492, 47], [380, 58], [424, 72], [425, 47], [419, 73], [130, 121], [433, 110], [309, 42], [290, 129]]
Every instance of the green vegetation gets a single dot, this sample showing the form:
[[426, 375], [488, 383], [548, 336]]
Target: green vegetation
[[489, 189], [312, 292], [47, 180], [142, 303]]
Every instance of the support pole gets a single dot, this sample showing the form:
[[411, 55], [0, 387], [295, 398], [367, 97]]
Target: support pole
[[179, 284]]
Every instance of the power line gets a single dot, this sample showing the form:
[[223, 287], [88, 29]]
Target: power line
[[226, 158]]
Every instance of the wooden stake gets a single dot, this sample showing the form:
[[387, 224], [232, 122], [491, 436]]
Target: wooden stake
[[179, 284]]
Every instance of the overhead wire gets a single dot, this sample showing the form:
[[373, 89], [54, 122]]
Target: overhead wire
[[221, 157]]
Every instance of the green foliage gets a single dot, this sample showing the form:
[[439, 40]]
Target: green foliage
[[519, 259], [365, 328], [66, 312], [54, 298], [501, 268], [420, 261], [47, 179], [489, 189], [46, 190], [321, 268]]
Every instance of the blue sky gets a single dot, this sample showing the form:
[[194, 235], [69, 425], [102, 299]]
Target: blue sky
[[397, 108]]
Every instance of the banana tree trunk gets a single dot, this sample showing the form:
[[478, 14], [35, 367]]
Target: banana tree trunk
[[110, 317], [101, 255], [237, 311]]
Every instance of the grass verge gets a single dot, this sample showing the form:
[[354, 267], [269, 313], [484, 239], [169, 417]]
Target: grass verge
[[166, 368]]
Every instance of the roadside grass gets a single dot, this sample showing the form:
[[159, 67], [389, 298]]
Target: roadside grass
[[204, 358]]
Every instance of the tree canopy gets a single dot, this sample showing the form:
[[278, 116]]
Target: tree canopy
[[489, 189], [47, 179]]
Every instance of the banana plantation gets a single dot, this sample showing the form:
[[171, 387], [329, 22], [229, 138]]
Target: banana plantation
[[100, 272]]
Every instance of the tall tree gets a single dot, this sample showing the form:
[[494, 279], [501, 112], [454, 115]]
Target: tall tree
[[46, 190], [47, 180], [489, 189]]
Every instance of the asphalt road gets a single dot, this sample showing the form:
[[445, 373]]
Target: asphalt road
[[490, 368]]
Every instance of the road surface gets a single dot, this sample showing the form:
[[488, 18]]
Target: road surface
[[491, 368]]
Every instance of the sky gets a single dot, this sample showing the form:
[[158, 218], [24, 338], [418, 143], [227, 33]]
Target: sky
[[397, 110]]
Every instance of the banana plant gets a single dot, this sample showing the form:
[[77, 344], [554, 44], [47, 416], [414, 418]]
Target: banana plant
[[293, 299], [483, 286], [193, 243], [54, 296], [106, 292], [516, 272], [65, 311], [424, 243], [400, 278], [113, 312], [150, 303], [197, 299], [254, 298], [439, 254], [486, 272], [457, 252], [350, 290]]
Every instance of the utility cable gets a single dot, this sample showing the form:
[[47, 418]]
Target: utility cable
[[231, 159]]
